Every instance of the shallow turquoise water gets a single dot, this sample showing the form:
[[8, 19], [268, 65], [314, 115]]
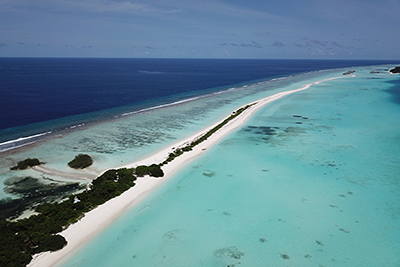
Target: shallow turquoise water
[[311, 180]]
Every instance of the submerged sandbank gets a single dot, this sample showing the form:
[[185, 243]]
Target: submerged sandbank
[[99, 218]]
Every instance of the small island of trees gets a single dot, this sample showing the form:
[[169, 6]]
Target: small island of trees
[[81, 161], [24, 164], [349, 72]]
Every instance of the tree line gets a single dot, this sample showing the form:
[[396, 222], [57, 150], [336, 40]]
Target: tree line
[[21, 239]]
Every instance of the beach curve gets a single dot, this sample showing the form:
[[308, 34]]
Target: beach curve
[[99, 218]]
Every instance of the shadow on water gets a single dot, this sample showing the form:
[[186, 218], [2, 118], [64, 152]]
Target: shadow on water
[[31, 192], [395, 91]]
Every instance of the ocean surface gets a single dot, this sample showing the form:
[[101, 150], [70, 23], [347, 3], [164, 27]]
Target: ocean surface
[[56, 108], [38, 95], [311, 180]]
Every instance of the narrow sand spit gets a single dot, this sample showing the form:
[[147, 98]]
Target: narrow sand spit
[[96, 220], [83, 175]]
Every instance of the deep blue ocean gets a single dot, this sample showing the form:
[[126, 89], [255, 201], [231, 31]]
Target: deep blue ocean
[[39, 95]]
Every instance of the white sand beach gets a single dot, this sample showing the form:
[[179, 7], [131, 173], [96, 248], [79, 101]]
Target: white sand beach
[[96, 220]]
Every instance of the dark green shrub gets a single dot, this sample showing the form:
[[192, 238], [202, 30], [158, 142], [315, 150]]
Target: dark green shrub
[[24, 164], [141, 170], [153, 170], [81, 161], [51, 243]]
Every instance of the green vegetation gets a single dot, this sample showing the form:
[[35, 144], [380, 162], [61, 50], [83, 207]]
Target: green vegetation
[[38, 233], [81, 161], [152, 170], [30, 192], [24, 238], [189, 147], [24, 164]]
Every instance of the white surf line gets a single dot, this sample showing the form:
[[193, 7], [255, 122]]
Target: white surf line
[[99, 218], [24, 138]]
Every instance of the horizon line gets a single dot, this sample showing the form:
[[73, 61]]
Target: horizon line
[[188, 58]]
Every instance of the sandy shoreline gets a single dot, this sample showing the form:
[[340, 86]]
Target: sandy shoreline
[[96, 220]]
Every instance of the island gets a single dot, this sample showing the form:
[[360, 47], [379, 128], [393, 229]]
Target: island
[[349, 72], [395, 70], [24, 164], [81, 161]]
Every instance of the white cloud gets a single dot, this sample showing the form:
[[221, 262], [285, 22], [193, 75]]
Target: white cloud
[[125, 7], [95, 6], [314, 42]]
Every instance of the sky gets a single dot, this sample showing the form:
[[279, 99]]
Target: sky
[[284, 29]]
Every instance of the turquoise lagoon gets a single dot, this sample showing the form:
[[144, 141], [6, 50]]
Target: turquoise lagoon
[[312, 179]]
